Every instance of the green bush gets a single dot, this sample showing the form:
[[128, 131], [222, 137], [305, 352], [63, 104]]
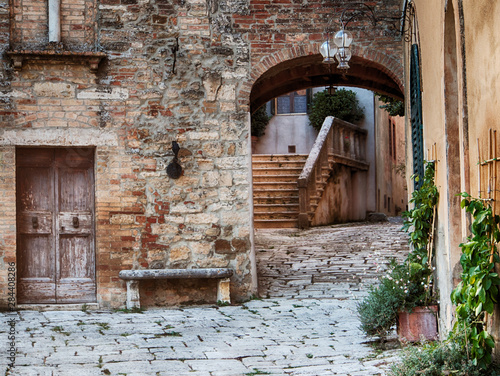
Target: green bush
[[259, 122], [437, 359], [409, 284], [393, 106], [342, 104], [378, 311], [401, 289]]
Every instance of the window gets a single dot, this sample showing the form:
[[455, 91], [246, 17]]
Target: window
[[394, 141], [390, 138], [416, 117], [293, 103]]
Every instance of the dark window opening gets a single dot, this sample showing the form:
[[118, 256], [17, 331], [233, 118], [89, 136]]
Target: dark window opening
[[293, 103]]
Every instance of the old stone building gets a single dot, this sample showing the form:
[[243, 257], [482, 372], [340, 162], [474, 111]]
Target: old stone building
[[93, 93], [451, 55]]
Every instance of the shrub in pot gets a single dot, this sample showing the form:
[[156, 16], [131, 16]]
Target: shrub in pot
[[410, 284]]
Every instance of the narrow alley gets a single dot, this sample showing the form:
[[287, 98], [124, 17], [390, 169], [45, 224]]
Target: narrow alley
[[305, 323]]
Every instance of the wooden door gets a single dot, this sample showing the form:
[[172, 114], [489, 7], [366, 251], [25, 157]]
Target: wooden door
[[55, 219]]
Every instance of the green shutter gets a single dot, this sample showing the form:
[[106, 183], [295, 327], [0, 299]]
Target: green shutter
[[416, 117]]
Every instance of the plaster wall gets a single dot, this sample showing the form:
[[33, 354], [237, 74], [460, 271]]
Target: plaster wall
[[431, 44], [482, 48], [390, 166], [285, 130], [460, 85]]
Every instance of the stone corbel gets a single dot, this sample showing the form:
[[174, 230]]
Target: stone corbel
[[92, 59]]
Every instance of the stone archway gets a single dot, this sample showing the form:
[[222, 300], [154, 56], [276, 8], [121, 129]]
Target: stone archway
[[298, 72], [296, 69]]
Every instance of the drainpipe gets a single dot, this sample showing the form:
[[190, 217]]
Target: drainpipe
[[54, 21]]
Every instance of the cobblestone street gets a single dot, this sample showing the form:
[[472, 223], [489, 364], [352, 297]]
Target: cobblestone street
[[306, 323]]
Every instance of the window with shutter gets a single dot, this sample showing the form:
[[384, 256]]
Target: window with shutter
[[416, 117]]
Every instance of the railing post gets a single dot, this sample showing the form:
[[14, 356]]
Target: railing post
[[304, 203]]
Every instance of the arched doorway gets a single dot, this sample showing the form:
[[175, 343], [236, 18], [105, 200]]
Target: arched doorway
[[306, 72]]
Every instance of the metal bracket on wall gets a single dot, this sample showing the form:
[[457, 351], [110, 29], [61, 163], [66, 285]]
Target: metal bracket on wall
[[174, 169]]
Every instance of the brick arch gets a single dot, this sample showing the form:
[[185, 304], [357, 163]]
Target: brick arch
[[301, 67]]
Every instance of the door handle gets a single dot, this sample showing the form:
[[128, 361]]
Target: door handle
[[34, 222], [76, 222]]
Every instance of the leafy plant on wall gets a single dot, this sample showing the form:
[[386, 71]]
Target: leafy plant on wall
[[409, 284], [342, 104], [259, 122], [476, 295], [393, 106]]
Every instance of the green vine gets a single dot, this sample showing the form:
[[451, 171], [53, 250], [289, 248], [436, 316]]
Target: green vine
[[419, 223], [408, 284], [475, 295]]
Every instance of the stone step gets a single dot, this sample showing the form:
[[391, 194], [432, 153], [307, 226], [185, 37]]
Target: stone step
[[276, 185], [277, 208], [275, 178], [276, 200], [279, 157], [276, 215], [275, 170], [275, 193], [281, 164], [276, 223]]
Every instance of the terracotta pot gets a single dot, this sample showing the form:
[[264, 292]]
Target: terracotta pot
[[419, 324]]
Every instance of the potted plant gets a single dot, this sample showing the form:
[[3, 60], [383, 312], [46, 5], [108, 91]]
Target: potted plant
[[405, 295], [342, 104], [469, 347]]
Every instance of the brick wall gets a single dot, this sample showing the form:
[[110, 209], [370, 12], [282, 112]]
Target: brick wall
[[162, 81], [175, 70], [29, 23]]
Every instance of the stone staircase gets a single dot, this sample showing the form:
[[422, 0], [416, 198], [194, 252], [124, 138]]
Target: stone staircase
[[275, 190]]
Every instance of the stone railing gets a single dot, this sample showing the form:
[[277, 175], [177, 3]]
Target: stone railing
[[337, 142]]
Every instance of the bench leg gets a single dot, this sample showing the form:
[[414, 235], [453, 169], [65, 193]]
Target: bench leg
[[133, 300], [223, 293]]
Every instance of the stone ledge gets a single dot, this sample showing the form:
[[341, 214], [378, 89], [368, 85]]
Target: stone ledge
[[133, 276], [86, 57], [57, 307], [137, 274]]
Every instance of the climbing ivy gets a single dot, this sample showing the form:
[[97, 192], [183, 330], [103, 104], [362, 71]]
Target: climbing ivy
[[475, 295], [419, 222]]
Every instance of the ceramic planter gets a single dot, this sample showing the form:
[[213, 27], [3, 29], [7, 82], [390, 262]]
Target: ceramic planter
[[419, 324]]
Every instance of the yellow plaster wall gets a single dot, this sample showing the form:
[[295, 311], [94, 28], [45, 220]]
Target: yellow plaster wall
[[482, 46], [476, 96]]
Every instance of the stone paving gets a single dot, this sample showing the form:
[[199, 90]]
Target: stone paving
[[306, 325]]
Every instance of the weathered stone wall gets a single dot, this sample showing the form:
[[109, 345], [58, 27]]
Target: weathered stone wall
[[175, 70], [166, 78]]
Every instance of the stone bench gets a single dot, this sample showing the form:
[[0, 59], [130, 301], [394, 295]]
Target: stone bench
[[134, 276]]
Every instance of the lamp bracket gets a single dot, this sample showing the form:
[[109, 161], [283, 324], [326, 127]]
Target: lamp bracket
[[358, 10]]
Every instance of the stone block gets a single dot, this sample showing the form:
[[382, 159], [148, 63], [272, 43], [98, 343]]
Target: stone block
[[107, 93], [54, 89]]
